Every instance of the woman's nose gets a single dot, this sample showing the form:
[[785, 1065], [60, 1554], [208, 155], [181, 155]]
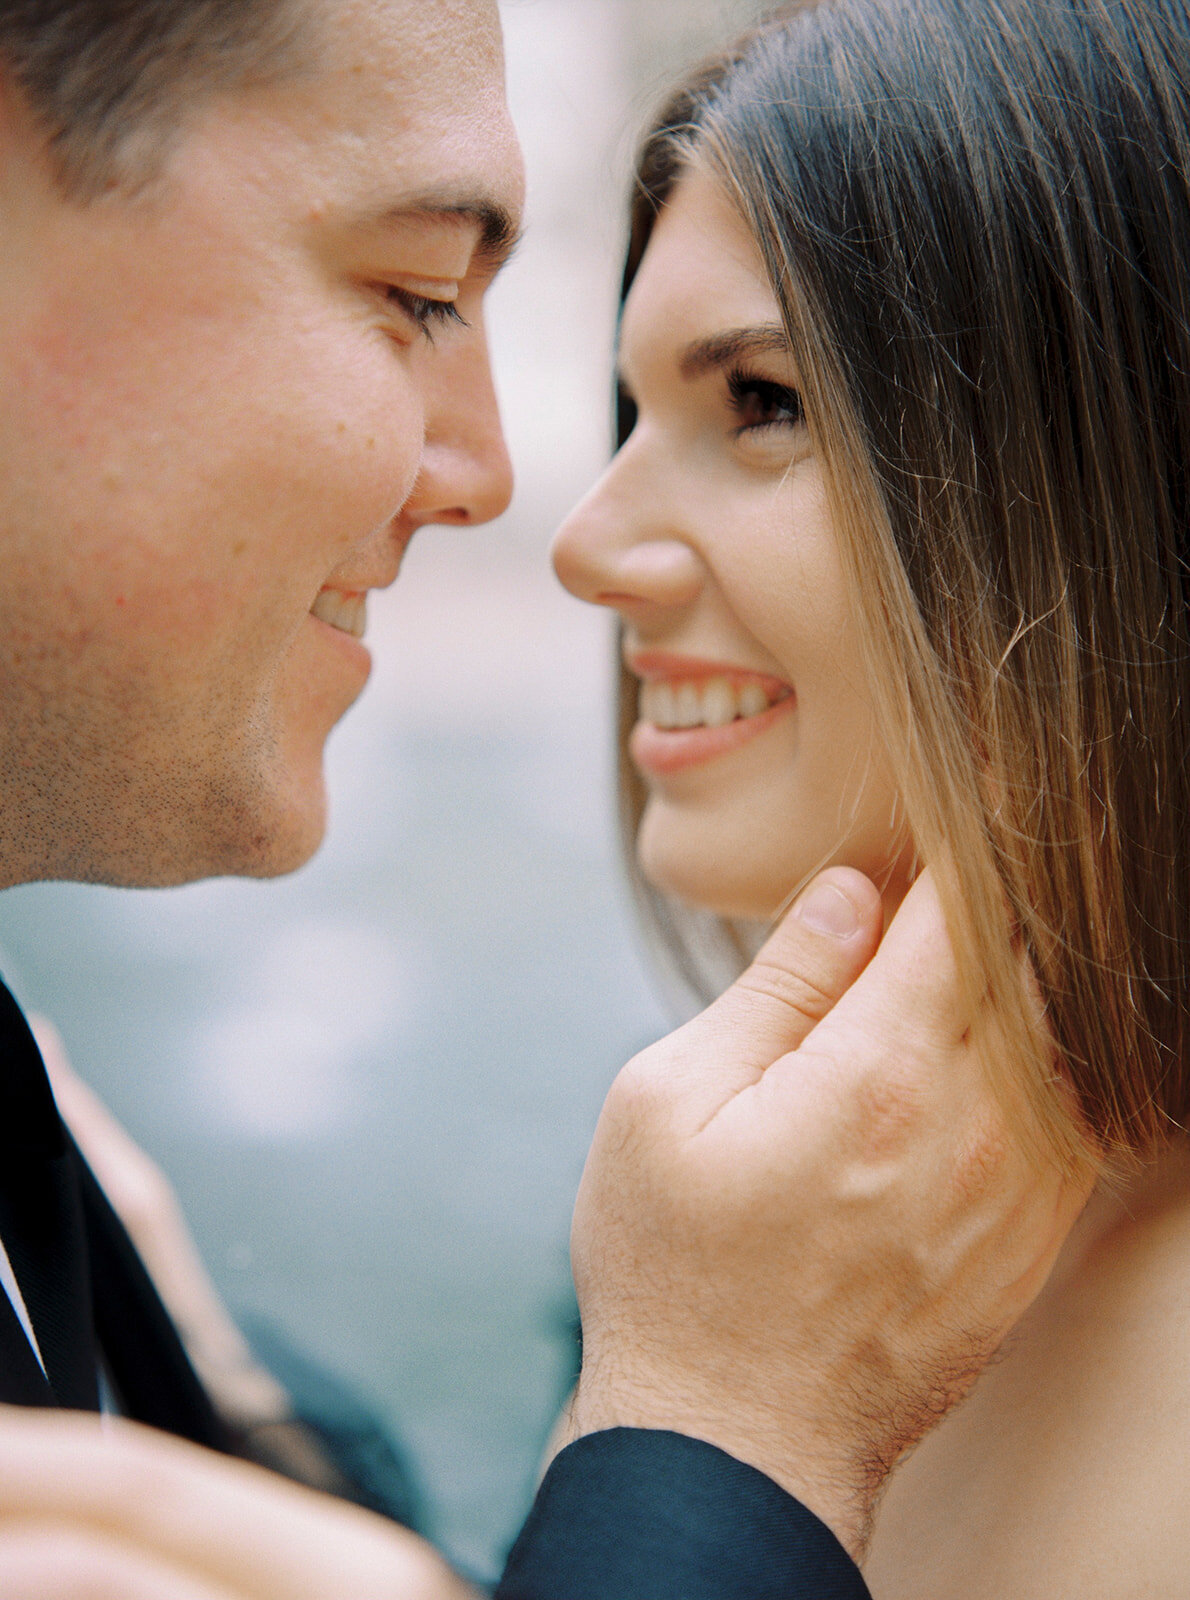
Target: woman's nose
[[611, 552], [465, 474]]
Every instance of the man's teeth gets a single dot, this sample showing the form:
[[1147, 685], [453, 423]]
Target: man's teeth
[[711, 703], [347, 612]]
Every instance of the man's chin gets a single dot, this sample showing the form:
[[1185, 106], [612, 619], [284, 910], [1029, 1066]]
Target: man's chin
[[262, 836], [267, 856], [276, 859], [281, 839]]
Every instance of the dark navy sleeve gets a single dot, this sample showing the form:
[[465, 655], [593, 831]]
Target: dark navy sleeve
[[641, 1514]]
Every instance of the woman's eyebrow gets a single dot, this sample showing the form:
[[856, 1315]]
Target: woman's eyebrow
[[732, 346]]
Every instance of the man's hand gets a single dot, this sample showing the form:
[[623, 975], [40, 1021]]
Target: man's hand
[[805, 1226], [112, 1511]]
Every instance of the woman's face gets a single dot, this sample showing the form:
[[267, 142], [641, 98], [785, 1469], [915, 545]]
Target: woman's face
[[710, 535]]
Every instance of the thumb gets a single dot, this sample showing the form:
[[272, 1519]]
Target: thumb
[[807, 963]]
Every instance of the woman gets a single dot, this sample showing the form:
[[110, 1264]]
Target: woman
[[898, 534]]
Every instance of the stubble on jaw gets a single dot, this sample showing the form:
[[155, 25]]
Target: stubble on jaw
[[164, 714], [75, 808]]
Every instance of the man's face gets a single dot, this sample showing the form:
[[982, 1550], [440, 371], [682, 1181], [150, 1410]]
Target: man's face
[[221, 421]]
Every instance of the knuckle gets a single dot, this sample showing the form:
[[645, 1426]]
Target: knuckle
[[803, 995], [639, 1093]]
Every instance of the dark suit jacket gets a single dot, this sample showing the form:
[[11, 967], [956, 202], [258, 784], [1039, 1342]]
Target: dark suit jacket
[[623, 1515], [85, 1287], [142, 1352]]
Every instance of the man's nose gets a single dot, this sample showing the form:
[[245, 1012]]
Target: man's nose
[[465, 475]]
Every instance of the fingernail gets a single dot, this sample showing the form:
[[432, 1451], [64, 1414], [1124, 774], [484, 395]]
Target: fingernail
[[827, 910]]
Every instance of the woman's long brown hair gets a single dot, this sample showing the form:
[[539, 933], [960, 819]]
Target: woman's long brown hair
[[976, 217]]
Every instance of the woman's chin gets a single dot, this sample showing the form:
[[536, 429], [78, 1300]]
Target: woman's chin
[[711, 886], [731, 886]]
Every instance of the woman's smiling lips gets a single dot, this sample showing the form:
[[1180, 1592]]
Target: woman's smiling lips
[[692, 710]]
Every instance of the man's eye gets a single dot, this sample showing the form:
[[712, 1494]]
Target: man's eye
[[428, 314], [759, 403]]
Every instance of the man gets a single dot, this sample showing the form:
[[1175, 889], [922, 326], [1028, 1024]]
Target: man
[[246, 245]]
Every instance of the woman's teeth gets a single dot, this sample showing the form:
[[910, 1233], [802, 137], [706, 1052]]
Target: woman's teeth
[[347, 612], [711, 703]]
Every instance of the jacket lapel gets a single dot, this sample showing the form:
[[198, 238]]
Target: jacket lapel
[[22, 1382], [41, 1218], [84, 1285], [154, 1380]]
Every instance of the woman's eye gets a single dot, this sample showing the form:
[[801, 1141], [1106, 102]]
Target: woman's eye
[[626, 413], [759, 403], [428, 314]]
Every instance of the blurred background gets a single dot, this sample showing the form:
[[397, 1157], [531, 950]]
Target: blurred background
[[373, 1084]]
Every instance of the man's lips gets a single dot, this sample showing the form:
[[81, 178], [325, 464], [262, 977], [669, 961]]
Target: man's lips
[[346, 611], [693, 710]]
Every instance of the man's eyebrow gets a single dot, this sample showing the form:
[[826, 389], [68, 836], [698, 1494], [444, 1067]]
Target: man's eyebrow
[[499, 231], [732, 346]]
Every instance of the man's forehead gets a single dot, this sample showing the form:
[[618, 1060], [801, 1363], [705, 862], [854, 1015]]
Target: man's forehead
[[412, 98], [451, 50]]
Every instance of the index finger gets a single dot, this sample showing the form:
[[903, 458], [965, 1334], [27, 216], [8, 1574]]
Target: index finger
[[56, 1561]]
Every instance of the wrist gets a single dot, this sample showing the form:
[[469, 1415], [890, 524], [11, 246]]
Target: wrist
[[827, 1471]]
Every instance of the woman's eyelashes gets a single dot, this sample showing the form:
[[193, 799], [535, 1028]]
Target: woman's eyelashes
[[759, 408], [759, 403], [428, 314], [626, 412]]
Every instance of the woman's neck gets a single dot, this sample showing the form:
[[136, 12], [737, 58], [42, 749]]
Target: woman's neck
[[1119, 1204], [1066, 1470]]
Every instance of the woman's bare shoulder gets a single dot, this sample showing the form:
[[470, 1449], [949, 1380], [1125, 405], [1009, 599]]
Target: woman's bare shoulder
[[1067, 1473]]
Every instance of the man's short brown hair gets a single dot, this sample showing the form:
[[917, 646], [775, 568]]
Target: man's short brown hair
[[110, 79]]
